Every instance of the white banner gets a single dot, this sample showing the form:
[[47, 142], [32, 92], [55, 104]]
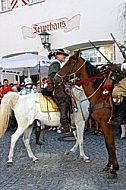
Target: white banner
[[49, 26]]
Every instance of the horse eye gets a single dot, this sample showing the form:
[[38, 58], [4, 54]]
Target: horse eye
[[67, 64]]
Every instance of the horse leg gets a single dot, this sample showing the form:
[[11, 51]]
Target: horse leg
[[108, 133], [26, 140], [14, 139], [80, 132], [74, 148]]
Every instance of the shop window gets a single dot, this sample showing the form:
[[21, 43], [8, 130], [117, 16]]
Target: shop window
[[99, 59], [93, 55]]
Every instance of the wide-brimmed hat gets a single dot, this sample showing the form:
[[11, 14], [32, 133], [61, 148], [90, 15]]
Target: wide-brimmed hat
[[60, 51], [28, 81]]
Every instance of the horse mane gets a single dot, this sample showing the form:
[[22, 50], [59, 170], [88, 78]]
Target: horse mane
[[93, 71]]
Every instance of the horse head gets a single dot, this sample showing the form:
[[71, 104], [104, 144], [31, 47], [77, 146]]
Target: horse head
[[72, 67]]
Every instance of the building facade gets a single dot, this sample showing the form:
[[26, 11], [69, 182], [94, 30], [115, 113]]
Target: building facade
[[70, 23]]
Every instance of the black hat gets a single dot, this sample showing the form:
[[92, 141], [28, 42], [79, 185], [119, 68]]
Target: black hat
[[60, 51]]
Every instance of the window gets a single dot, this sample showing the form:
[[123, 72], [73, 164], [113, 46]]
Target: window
[[5, 5], [35, 1], [93, 55]]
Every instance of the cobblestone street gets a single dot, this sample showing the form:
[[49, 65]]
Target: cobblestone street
[[55, 170]]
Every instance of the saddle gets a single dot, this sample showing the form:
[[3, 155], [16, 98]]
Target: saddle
[[47, 104]]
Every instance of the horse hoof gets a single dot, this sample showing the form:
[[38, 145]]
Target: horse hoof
[[87, 161], [113, 172], [67, 152], [9, 164], [112, 176], [106, 169], [36, 161]]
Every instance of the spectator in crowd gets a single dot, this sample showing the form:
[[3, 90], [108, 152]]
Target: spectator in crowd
[[88, 124], [98, 130], [14, 89], [17, 85], [11, 84], [28, 87], [38, 87], [44, 82], [92, 123], [5, 88], [123, 131]]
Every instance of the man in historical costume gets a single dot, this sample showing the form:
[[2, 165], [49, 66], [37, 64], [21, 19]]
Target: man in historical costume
[[28, 89], [5, 88], [60, 97], [119, 92]]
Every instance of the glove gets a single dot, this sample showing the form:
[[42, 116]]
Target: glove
[[115, 67]]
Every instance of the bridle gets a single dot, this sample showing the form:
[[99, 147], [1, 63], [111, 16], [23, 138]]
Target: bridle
[[71, 73]]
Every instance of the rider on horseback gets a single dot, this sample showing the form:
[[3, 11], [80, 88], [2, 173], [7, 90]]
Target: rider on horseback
[[60, 97]]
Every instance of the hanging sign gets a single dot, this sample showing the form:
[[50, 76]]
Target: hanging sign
[[11, 72], [52, 25]]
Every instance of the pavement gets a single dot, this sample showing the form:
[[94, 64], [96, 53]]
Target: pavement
[[55, 170]]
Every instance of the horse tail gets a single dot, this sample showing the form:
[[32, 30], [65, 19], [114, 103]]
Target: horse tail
[[7, 104]]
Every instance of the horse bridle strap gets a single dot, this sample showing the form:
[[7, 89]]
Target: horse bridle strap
[[57, 74]]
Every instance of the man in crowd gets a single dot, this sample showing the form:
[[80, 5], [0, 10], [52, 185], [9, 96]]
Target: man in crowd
[[5, 88]]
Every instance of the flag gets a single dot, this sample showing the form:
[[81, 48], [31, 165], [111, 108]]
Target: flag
[[14, 3], [25, 2]]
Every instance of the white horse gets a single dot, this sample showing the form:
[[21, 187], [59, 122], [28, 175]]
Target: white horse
[[27, 109]]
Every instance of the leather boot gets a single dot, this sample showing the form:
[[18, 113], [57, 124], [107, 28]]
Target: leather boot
[[37, 133], [120, 114], [63, 102], [64, 120]]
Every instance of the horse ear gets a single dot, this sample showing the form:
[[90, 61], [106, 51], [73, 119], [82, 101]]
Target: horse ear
[[77, 53]]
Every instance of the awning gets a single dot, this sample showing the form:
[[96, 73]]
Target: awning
[[26, 60]]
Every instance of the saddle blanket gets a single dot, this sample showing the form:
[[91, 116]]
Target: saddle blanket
[[47, 104]]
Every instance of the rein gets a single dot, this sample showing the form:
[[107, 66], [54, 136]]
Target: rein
[[74, 73], [91, 94], [96, 89]]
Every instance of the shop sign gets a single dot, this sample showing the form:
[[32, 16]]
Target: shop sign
[[50, 26]]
